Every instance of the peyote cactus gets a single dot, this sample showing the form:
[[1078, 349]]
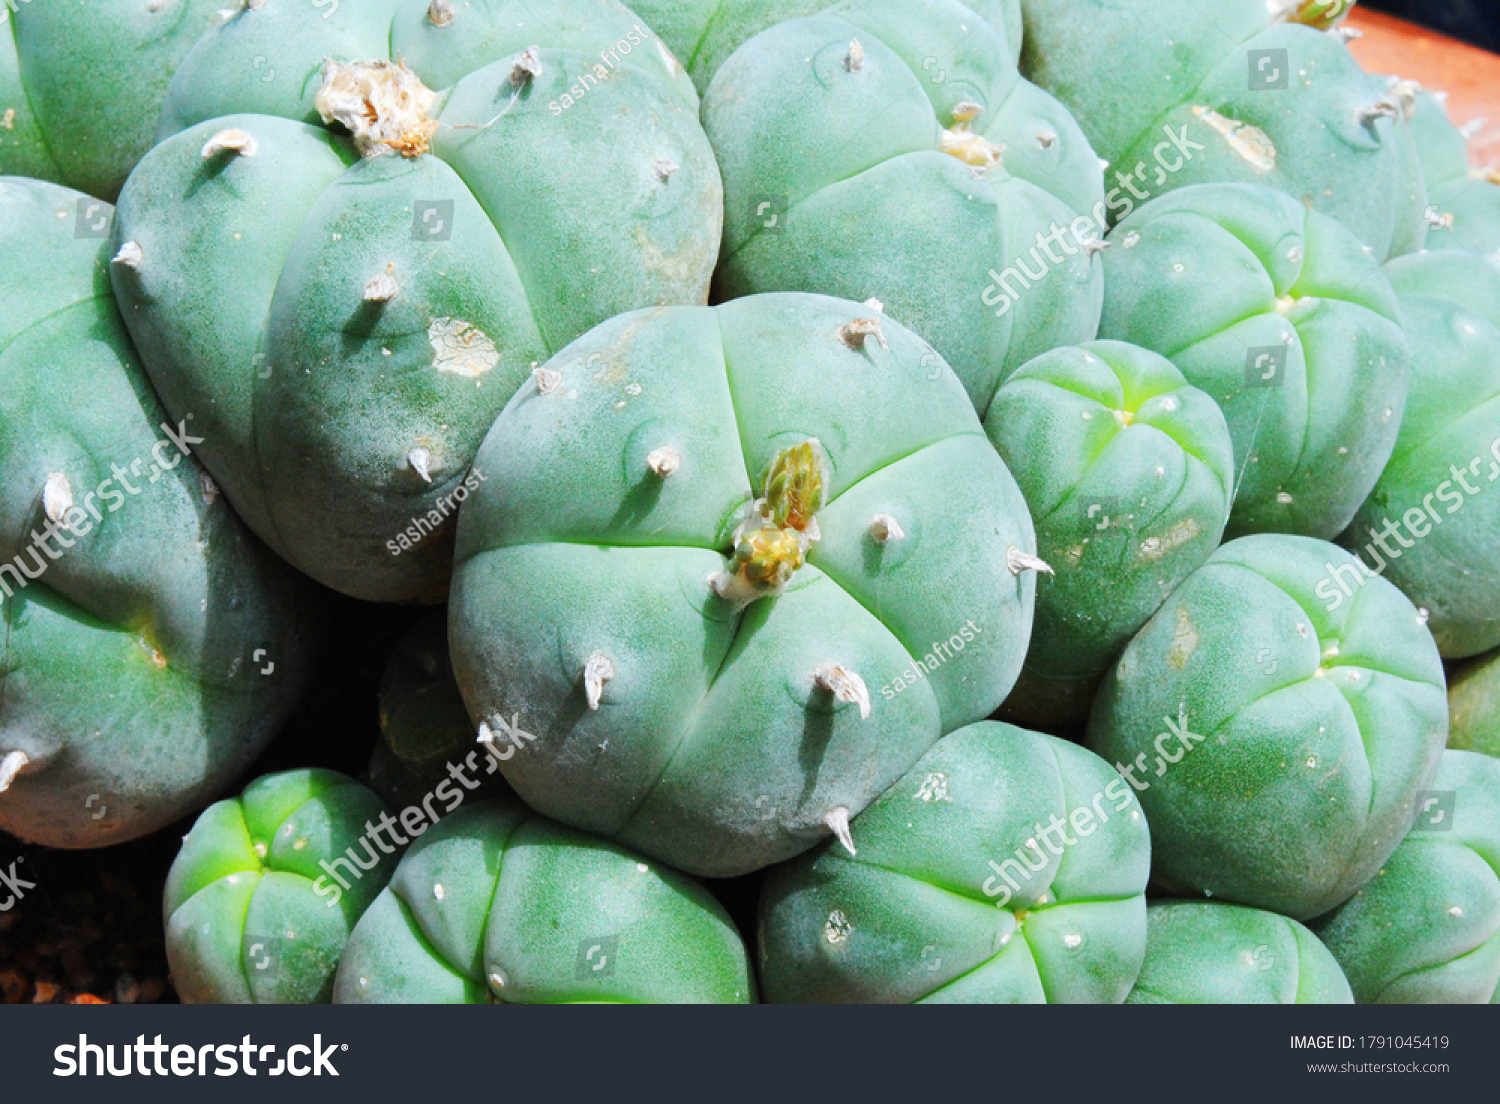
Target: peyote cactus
[[704, 33], [1129, 473], [1437, 498], [734, 570], [1281, 316], [1465, 201], [82, 82], [1202, 953], [153, 647], [1474, 706], [347, 313], [1277, 745], [888, 149], [1427, 930], [499, 904], [1251, 91], [943, 905], [268, 886]]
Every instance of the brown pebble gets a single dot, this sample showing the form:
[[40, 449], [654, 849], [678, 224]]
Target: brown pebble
[[152, 990], [87, 998], [127, 991], [15, 984], [46, 993]]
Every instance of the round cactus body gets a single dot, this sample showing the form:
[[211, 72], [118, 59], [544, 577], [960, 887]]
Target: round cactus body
[[1432, 523], [734, 570], [499, 904], [1203, 953], [82, 83], [888, 149], [1427, 930], [1276, 740], [704, 33], [1005, 867], [153, 647], [1128, 471], [268, 886], [347, 327], [1280, 315], [1464, 202], [1306, 119], [1474, 706]]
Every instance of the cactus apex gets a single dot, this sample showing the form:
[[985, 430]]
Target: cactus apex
[[885, 528], [440, 13], [232, 139], [846, 686], [796, 485], [597, 670], [57, 496], [130, 255], [854, 332], [11, 765], [383, 104], [838, 823], [1019, 561], [854, 60], [1320, 15], [664, 462]]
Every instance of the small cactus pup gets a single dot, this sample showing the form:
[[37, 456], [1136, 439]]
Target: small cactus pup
[[971, 206], [1432, 523], [267, 58], [81, 84], [394, 278], [734, 570], [1006, 867], [1285, 319], [268, 886], [1276, 745], [704, 33], [1464, 201], [1128, 471], [497, 904], [1427, 930], [424, 724], [1474, 705], [1245, 91], [1200, 952], [153, 646]]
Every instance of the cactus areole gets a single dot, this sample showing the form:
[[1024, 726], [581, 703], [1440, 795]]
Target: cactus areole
[[733, 572], [351, 304]]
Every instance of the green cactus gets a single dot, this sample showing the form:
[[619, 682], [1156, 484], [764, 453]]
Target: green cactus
[[1276, 743], [1437, 499], [1202, 953], [1282, 317], [889, 149], [385, 307], [1129, 473], [941, 904], [1244, 91], [1427, 930], [82, 83], [499, 904], [1465, 201], [662, 662], [268, 885], [153, 647], [1474, 705], [704, 33]]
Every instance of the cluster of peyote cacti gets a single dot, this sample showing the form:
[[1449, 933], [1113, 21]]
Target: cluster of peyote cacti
[[715, 427]]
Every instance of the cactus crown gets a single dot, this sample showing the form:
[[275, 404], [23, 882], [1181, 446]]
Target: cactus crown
[[772, 542], [382, 103], [1318, 14]]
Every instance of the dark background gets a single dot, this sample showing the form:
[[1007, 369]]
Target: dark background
[[1474, 21]]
